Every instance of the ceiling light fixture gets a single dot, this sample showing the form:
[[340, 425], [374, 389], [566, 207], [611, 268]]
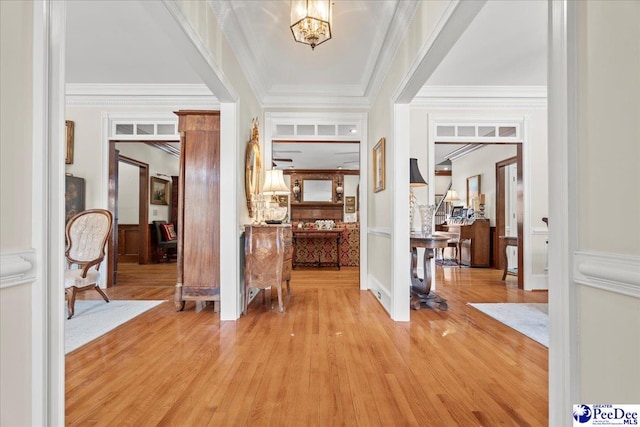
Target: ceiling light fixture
[[311, 21]]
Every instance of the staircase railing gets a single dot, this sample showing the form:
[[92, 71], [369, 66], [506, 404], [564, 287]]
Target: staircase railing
[[441, 208]]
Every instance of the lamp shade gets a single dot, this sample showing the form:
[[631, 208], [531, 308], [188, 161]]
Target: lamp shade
[[452, 196], [415, 177], [274, 182]]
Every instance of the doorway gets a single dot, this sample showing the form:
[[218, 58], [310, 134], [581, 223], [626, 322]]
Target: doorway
[[510, 211], [140, 232]]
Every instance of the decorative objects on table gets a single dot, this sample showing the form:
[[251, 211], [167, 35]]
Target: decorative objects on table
[[378, 166], [253, 169], [426, 216], [274, 185], [324, 224], [311, 21], [480, 212], [160, 190], [415, 180]]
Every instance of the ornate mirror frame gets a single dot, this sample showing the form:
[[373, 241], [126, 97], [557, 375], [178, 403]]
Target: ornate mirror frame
[[253, 168]]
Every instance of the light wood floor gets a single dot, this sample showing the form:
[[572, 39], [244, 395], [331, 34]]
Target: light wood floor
[[334, 358]]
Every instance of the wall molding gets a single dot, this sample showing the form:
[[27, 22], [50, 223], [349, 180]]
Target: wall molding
[[141, 94], [380, 231], [481, 97], [616, 273], [17, 268]]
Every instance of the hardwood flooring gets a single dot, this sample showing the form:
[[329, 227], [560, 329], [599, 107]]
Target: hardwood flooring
[[334, 358]]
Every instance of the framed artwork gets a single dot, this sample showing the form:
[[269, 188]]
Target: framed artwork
[[73, 196], [457, 212], [378, 166], [159, 191], [350, 204], [473, 188], [68, 159]]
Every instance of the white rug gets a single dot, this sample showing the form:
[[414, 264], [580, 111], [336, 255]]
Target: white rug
[[93, 318], [531, 320]]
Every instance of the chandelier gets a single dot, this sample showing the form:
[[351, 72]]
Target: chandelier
[[311, 21]]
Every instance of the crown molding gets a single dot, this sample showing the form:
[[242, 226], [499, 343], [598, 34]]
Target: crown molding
[[140, 94], [329, 96], [459, 97], [231, 28], [377, 70], [317, 102]]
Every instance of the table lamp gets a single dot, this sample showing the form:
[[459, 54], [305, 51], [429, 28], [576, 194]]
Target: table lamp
[[452, 196], [274, 185], [415, 180]]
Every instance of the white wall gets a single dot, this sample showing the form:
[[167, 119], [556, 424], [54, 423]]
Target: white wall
[[128, 194], [159, 163], [481, 162], [381, 124], [15, 208], [608, 160]]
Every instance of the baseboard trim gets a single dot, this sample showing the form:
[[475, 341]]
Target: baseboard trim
[[616, 273], [17, 268], [378, 291]]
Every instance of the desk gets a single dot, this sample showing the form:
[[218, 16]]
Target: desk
[[318, 234], [421, 288], [506, 242]]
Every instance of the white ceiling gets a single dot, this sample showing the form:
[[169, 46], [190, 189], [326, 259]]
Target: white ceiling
[[116, 42]]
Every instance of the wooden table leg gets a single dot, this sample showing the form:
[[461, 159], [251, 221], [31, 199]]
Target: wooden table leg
[[506, 260]]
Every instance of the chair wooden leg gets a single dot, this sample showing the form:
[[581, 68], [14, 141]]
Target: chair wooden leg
[[288, 288], [101, 292], [71, 300], [280, 304]]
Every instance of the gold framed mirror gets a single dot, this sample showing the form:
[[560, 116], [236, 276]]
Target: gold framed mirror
[[253, 168]]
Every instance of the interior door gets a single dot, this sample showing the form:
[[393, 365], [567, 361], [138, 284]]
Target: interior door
[[511, 212]]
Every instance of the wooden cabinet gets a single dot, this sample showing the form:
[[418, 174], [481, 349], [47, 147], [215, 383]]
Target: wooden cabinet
[[268, 256], [198, 277], [474, 241]]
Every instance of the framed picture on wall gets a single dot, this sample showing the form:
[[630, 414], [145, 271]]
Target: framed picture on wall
[[350, 204], [73, 196], [68, 158], [159, 193], [473, 189], [378, 166]]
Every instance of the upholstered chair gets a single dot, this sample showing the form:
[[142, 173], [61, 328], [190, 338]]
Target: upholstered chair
[[87, 235]]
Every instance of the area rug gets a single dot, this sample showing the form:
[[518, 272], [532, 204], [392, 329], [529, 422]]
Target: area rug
[[531, 320], [93, 318]]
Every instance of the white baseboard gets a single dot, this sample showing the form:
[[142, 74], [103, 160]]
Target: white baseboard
[[616, 273], [537, 282], [381, 294]]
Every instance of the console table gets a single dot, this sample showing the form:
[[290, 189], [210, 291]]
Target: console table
[[318, 234], [267, 250], [421, 288]]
